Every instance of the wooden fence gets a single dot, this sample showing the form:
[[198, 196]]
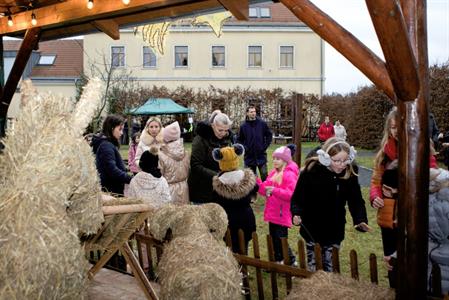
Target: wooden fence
[[149, 252]]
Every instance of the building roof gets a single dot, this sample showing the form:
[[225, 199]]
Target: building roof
[[279, 14], [68, 58]]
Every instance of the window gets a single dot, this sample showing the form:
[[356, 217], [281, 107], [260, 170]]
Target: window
[[149, 58], [118, 56], [265, 12], [286, 57], [46, 60], [253, 12], [218, 56], [181, 56], [255, 56]]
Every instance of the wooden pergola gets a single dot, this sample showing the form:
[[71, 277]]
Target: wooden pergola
[[400, 26]]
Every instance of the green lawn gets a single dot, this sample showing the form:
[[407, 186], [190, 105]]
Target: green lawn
[[363, 243]]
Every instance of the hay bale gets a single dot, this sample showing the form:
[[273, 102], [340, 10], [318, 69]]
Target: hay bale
[[332, 286], [196, 264], [49, 189]]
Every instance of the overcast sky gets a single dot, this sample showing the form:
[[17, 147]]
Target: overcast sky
[[341, 75]]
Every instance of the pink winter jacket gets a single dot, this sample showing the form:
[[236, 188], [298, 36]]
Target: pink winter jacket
[[277, 207]]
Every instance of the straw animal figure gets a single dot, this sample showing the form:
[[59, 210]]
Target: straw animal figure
[[195, 264], [333, 286], [49, 195]]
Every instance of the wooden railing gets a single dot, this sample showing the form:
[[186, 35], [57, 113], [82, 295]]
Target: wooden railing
[[149, 251]]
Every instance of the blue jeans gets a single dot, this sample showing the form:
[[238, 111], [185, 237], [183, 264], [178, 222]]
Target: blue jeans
[[326, 256]]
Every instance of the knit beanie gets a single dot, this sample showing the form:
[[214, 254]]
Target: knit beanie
[[283, 153], [149, 162], [228, 157], [171, 132]]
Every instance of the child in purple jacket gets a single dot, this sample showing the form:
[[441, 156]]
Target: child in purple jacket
[[278, 189]]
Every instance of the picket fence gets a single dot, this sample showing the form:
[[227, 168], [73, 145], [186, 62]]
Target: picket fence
[[149, 252]]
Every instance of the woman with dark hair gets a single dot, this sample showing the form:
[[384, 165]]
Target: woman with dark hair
[[110, 166]]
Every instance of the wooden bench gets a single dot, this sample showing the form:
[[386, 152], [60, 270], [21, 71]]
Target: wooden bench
[[282, 139]]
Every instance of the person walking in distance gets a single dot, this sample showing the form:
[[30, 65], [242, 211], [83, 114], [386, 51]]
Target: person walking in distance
[[255, 135], [340, 130], [326, 130]]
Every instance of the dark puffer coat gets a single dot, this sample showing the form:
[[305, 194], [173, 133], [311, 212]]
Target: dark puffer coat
[[202, 166], [233, 191], [320, 198], [256, 137], [110, 165]]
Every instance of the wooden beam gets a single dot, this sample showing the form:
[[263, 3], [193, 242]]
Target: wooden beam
[[391, 31], [344, 42], [135, 18], [28, 44], [414, 166], [238, 8], [76, 11], [108, 27]]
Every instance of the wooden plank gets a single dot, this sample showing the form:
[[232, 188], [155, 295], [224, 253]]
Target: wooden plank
[[228, 239], [288, 278], [373, 268], [108, 27], [344, 42], [318, 257], [101, 262], [259, 278], [138, 272], [335, 260], [238, 8], [414, 166], [302, 254], [124, 209], [392, 34], [272, 266], [75, 11], [244, 268], [298, 100], [354, 264], [273, 277], [29, 43]]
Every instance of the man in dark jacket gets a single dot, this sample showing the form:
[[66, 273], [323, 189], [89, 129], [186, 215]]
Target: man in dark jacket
[[255, 135]]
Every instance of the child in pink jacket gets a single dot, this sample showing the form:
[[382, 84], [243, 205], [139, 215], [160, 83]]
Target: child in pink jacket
[[278, 189]]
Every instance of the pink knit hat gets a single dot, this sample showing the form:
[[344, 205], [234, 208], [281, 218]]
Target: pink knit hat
[[283, 153], [171, 132]]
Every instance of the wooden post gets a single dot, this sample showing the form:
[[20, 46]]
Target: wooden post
[[297, 102], [373, 268], [414, 166], [354, 264], [258, 272], [28, 44]]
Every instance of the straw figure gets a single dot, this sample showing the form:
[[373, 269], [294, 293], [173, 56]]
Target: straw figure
[[195, 264], [333, 286], [49, 195]]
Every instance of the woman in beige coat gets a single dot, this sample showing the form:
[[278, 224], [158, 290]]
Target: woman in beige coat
[[174, 163], [151, 136]]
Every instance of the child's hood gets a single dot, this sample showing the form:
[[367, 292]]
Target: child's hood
[[234, 184], [174, 150]]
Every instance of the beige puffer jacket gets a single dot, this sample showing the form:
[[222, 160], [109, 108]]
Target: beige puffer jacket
[[174, 163]]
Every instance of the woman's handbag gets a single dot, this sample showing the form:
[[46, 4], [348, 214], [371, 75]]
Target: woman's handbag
[[386, 215]]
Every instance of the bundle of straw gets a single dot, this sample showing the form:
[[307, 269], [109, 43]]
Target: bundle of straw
[[332, 286], [196, 264], [49, 190]]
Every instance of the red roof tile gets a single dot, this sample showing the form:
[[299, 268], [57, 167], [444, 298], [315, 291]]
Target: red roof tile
[[279, 14], [68, 62]]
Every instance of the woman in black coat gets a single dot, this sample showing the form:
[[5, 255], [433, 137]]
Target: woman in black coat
[[209, 135], [110, 166]]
